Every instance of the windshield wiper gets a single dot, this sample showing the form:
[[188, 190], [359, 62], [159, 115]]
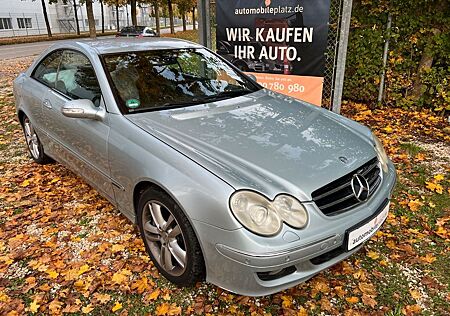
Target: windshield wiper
[[195, 101], [225, 94]]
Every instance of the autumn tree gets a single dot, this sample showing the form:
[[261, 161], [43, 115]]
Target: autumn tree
[[170, 8], [47, 23], [184, 6], [418, 68], [91, 20], [75, 11], [103, 15]]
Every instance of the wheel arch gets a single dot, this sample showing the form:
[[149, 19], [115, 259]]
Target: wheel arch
[[21, 114], [143, 185]]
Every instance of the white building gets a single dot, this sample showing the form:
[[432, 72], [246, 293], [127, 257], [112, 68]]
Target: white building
[[25, 17]]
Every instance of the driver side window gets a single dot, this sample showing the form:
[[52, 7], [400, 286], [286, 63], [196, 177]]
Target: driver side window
[[47, 69], [76, 78]]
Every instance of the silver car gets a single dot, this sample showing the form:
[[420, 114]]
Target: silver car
[[251, 190]]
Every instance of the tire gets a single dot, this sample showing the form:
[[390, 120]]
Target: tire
[[169, 238], [34, 145]]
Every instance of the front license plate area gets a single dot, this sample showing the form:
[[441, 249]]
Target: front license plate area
[[363, 231]]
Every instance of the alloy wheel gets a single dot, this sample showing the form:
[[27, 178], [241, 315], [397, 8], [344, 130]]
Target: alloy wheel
[[31, 138], [164, 237]]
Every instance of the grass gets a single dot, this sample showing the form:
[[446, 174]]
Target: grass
[[411, 149]]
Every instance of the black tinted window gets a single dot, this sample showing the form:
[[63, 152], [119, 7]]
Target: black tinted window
[[76, 78], [47, 69]]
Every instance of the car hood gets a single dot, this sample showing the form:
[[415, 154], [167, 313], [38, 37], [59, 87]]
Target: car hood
[[264, 141]]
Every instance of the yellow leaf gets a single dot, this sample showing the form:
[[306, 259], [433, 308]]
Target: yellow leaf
[[439, 177], [439, 189], [116, 307], [117, 248], [55, 306], [287, 301], [3, 297], [428, 258], [352, 300], [414, 205], [83, 269], [87, 309], [7, 260], [52, 274], [141, 285], [154, 295], [373, 255], [415, 294], [174, 310], [162, 309], [302, 311], [388, 129], [121, 276], [34, 307], [431, 186], [55, 180], [25, 183]]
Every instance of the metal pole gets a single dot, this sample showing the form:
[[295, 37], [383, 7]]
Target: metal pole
[[204, 23], [37, 23], [24, 23], [342, 55], [385, 56], [12, 24]]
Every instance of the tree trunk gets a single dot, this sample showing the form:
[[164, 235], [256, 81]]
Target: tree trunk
[[91, 20], [184, 21], [425, 64], [103, 16], [133, 12], [193, 19], [117, 17], [47, 24], [158, 28], [172, 26], [77, 23]]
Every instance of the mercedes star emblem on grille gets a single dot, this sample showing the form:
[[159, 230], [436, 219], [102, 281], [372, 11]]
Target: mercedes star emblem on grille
[[360, 187]]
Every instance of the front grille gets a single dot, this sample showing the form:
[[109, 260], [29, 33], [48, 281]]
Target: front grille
[[337, 196]]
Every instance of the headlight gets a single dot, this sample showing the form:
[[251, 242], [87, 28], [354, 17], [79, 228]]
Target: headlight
[[261, 216], [382, 156]]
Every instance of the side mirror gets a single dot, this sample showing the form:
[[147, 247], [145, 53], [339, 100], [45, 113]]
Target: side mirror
[[251, 76], [83, 108]]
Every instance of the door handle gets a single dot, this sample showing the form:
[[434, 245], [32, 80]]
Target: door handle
[[47, 104]]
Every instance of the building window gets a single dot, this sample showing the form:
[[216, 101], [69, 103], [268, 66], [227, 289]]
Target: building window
[[5, 24], [24, 23]]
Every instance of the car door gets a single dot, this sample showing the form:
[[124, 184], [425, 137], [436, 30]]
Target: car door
[[80, 143], [35, 89]]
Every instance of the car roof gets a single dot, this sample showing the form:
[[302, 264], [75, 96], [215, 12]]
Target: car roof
[[127, 44]]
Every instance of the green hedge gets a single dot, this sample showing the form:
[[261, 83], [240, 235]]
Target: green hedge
[[420, 32]]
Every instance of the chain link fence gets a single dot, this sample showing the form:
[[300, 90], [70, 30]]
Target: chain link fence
[[331, 52], [334, 28], [28, 24]]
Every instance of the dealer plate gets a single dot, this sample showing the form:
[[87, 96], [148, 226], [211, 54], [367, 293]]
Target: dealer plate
[[359, 235]]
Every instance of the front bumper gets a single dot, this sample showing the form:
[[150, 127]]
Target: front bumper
[[244, 263]]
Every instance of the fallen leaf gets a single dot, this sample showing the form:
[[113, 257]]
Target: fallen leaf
[[116, 307], [352, 300]]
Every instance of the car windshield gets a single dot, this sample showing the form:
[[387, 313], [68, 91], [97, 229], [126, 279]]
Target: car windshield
[[162, 79]]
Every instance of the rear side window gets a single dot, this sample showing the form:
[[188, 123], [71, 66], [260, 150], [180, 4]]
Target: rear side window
[[76, 78], [47, 70]]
